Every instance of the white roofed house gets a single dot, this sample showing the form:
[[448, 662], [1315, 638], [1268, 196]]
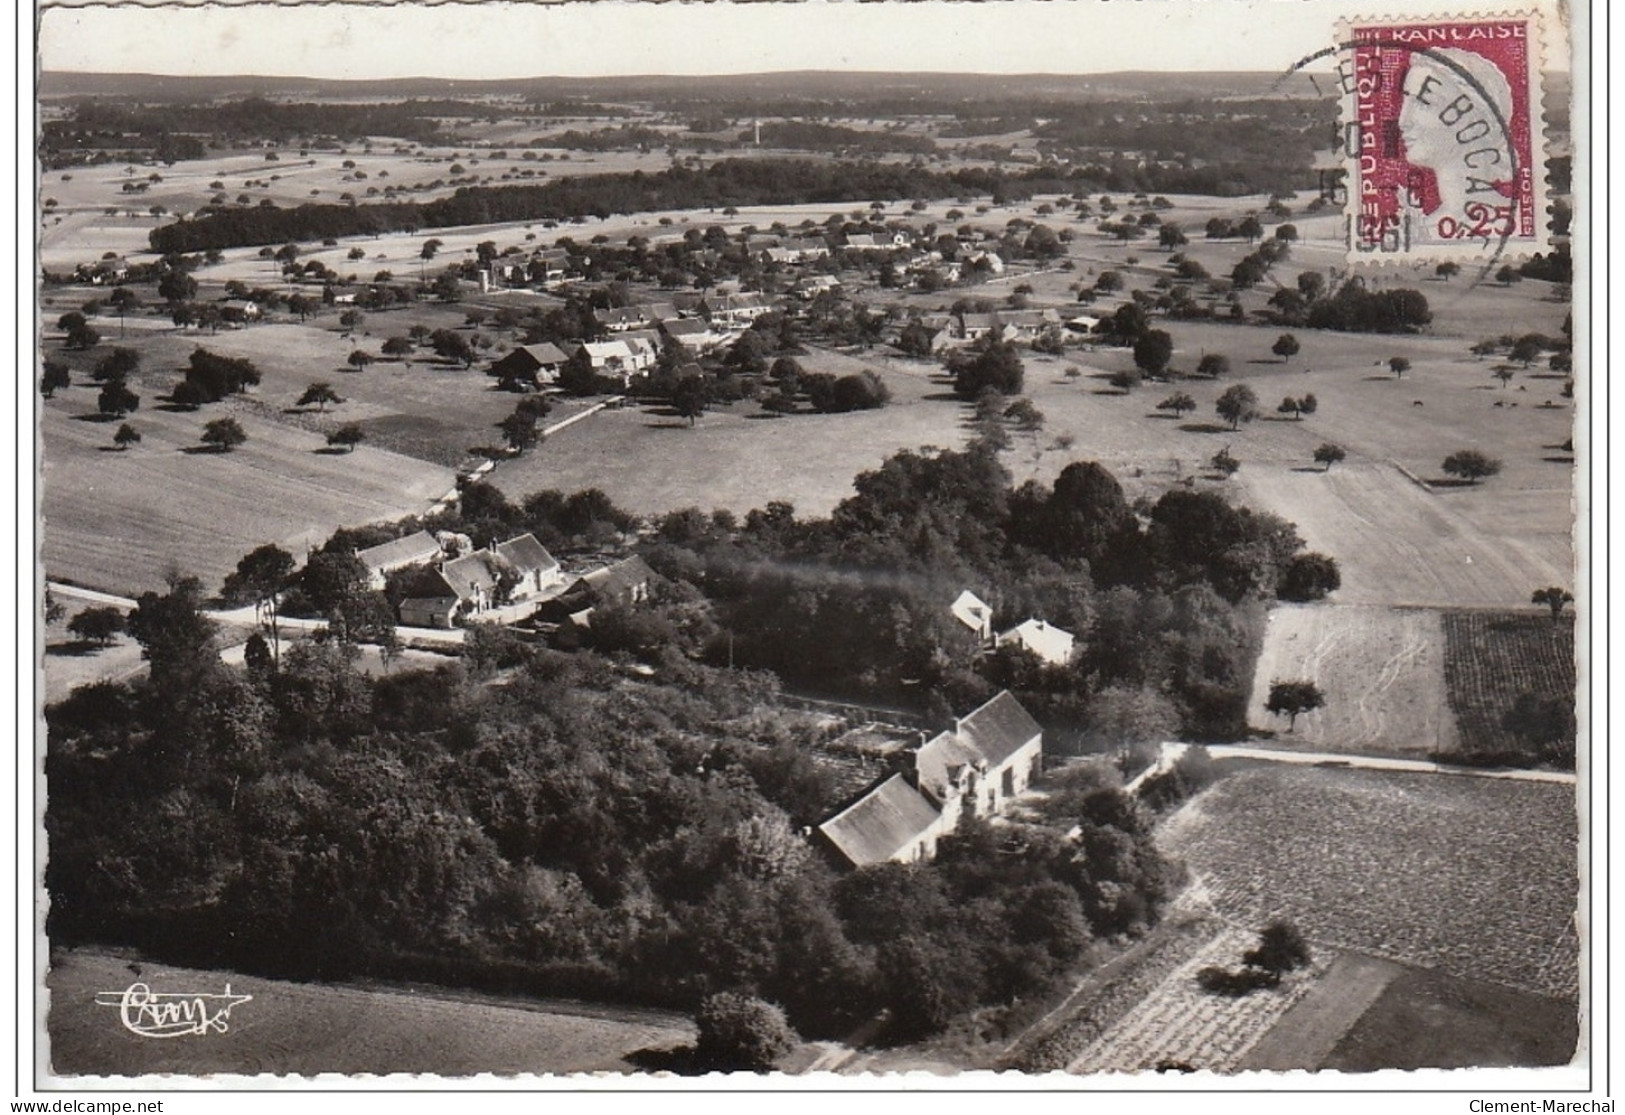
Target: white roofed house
[[618, 360], [538, 570], [1049, 642], [414, 549], [989, 757], [976, 614]]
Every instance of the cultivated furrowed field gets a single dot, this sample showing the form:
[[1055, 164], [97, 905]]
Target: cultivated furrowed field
[[1182, 1024], [1381, 669], [308, 1028], [1491, 658], [1476, 877]]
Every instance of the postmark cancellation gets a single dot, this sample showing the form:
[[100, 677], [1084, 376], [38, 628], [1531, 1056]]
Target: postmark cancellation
[[1442, 138]]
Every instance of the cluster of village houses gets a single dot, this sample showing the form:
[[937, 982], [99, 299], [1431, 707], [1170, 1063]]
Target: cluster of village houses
[[447, 581]]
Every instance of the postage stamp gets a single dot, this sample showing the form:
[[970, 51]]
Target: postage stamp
[[1442, 138]]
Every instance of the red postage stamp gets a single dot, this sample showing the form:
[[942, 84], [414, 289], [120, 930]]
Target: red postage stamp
[[1443, 138]]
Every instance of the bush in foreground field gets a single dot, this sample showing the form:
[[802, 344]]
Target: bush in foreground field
[[739, 1033]]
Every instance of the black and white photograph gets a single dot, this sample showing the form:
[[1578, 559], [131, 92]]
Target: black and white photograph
[[810, 545]]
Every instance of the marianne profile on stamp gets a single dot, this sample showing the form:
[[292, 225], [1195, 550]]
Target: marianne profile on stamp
[[1444, 138]]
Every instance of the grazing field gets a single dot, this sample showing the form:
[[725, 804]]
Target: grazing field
[[1474, 877], [69, 663], [311, 1028], [650, 461], [120, 521], [1396, 543], [1382, 671], [1492, 658]]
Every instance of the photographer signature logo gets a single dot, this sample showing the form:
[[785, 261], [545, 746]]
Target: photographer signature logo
[[155, 1014]]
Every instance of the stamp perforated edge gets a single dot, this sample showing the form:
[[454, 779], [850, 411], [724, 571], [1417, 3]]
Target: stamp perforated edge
[[1508, 250]]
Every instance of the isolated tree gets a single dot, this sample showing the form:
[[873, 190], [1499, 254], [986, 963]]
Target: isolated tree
[[359, 359], [447, 287], [1281, 949], [177, 286], [1308, 404], [259, 579], [125, 436], [1508, 275], [83, 336], [1153, 351], [1179, 402], [1471, 465], [1249, 229], [1399, 365], [452, 345], [1504, 374], [1237, 405], [352, 319], [739, 1033], [1027, 417], [1309, 577], [1328, 455], [116, 399], [301, 305], [690, 397], [519, 430], [1447, 270], [117, 365], [398, 346], [320, 394], [97, 625], [123, 300], [1554, 598], [1292, 699], [1170, 236], [223, 434], [347, 436], [54, 376], [1286, 346], [1213, 365], [1224, 464], [1527, 349], [1289, 405]]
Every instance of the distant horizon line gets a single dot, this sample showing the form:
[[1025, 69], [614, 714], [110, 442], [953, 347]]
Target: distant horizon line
[[650, 74]]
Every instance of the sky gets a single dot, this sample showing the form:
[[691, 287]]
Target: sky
[[492, 40]]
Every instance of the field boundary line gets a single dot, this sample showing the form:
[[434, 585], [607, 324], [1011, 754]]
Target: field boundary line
[[1413, 478]]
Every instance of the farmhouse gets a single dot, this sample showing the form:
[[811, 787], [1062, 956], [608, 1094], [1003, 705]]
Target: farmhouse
[[734, 311], [476, 580], [529, 365], [415, 549], [813, 285], [1050, 643], [625, 582], [617, 359], [623, 318], [240, 310], [538, 570], [893, 823], [692, 333], [988, 758], [975, 613]]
